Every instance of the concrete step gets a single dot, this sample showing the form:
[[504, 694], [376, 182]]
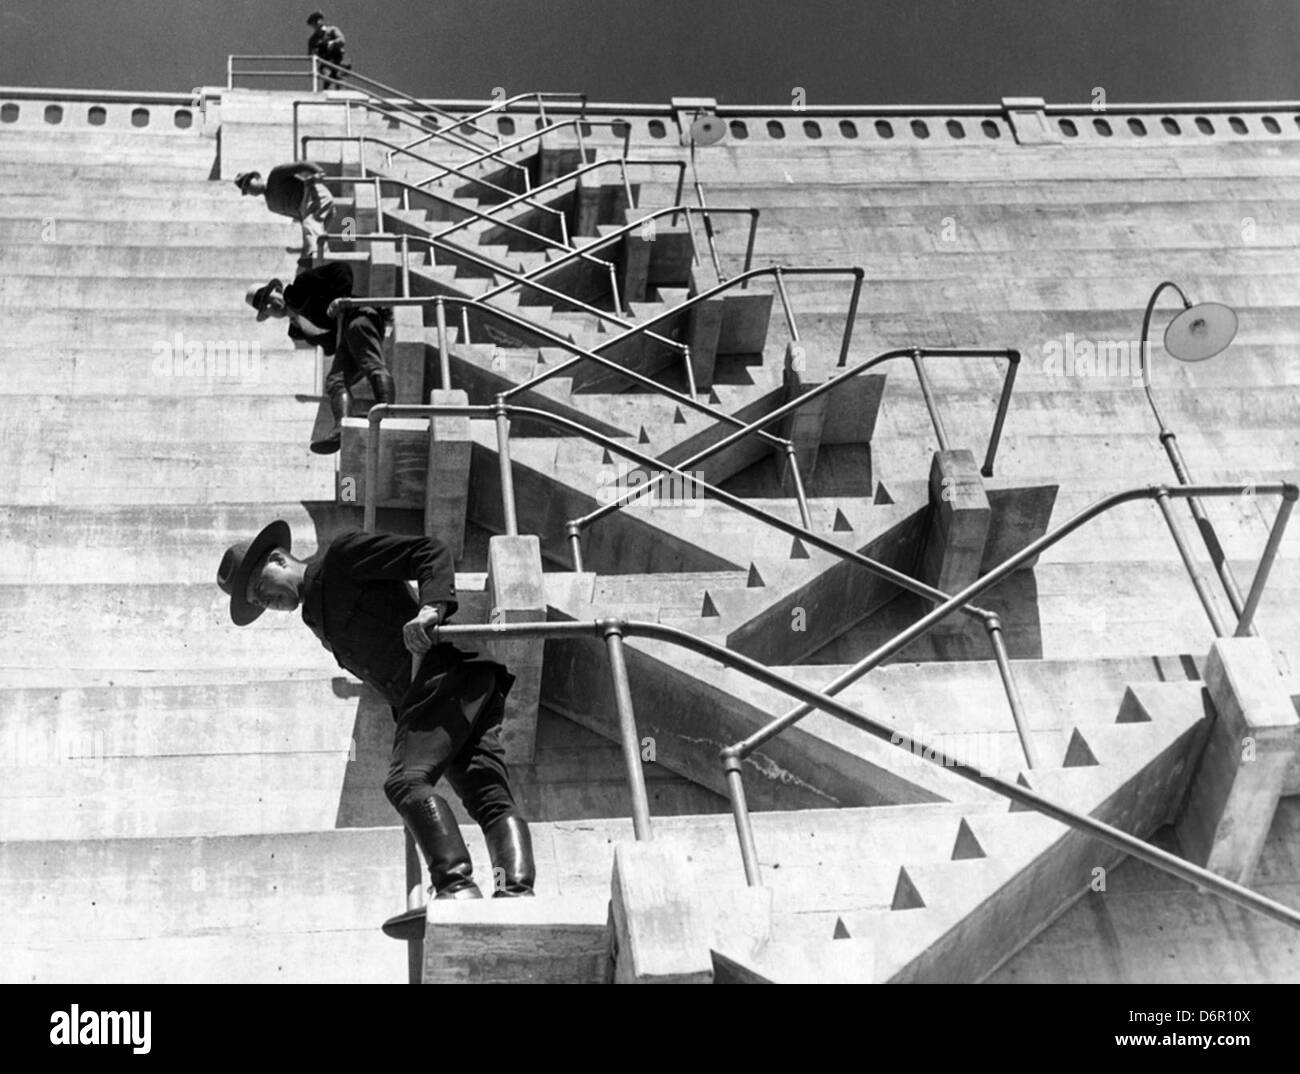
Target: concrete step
[[37, 260]]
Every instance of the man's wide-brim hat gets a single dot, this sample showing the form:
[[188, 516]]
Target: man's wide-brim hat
[[243, 178], [257, 296], [239, 562], [315, 16]]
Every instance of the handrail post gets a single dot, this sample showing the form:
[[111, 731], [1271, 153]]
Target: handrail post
[[1246, 620], [627, 732], [691, 386], [1222, 567], [749, 249], [1008, 382], [731, 766], [851, 317], [406, 266], [371, 506], [1180, 541], [613, 290], [779, 276], [928, 395], [627, 186], [792, 461], [502, 411], [994, 627], [444, 358], [464, 324], [573, 530], [315, 73]]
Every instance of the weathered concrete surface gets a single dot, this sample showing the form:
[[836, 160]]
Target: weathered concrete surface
[[1243, 770]]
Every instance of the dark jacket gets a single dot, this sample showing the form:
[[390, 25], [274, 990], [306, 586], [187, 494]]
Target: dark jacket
[[310, 295], [327, 42], [355, 600], [287, 184]]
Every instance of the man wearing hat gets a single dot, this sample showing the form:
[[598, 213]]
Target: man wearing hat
[[328, 43], [298, 191], [355, 337], [354, 597]]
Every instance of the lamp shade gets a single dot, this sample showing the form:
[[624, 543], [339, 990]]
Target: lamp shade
[[1200, 332], [707, 130]]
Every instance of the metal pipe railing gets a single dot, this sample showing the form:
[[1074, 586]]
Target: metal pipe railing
[[734, 754], [788, 408], [363, 140], [523, 139], [351, 76], [503, 107], [636, 225], [501, 408], [704, 296], [553, 339], [474, 214], [501, 270], [501, 411], [577, 173], [813, 700], [399, 115]]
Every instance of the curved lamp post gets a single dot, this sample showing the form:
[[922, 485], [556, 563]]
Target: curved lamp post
[[1197, 333]]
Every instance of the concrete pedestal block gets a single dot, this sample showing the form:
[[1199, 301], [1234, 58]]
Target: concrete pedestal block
[[366, 215], [409, 353], [1254, 740], [548, 939], [634, 265], [805, 426], [660, 934], [517, 593], [446, 488], [385, 267], [958, 528], [403, 461], [704, 327]]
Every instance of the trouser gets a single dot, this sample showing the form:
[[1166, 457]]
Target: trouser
[[317, 211], [360, 352], [329, 62], [435, 738]]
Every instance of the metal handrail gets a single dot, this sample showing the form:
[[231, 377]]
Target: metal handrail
[[776, 271], [577, 123], [618, 628], [501, 412], [553, 339], [352, 76], [640, 223], [577, 173], [500, 270], [476, 214], [399, 114], [733, 755], [504, 107], [1012, 357], [362, 139]]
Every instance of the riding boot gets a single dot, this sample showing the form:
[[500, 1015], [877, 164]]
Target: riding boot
[[382, 386], [434, 828], [329, 444], [511, 850]]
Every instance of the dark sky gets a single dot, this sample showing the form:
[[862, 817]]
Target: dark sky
[[756, 51]]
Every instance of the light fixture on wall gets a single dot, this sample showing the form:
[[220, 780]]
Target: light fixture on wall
[[1195, 334]]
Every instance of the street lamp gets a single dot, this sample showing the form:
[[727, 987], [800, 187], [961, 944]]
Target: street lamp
[[1196, 333]]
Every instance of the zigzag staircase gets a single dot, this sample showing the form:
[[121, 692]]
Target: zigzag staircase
[[877, 865]]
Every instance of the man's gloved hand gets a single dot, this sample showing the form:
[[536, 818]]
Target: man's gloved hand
[[416, 633], [332, 311]]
